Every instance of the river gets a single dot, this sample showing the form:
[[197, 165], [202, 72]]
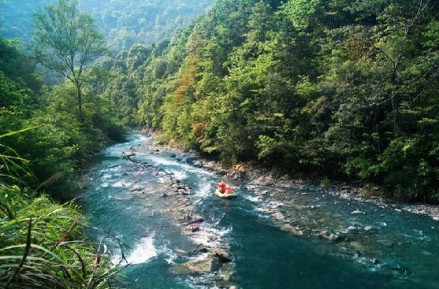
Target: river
[[374, 246]]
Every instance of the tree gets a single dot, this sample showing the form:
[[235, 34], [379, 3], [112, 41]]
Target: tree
[[67, 40]]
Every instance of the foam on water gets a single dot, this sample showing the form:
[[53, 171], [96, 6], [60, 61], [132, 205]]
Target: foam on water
[[168, 254], [162, 180], [106, 176], [253, 199], [204, 191], [210, 236], [143, 138], [179, 175], [157, 160], [121, 184], [275, 204], [200, 282], [143, 251], [197, 170]]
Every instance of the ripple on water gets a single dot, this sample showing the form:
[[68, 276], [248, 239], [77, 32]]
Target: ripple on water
[[399, 250]]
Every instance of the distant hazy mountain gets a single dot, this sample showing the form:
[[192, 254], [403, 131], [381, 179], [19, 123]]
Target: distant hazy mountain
[[16, 18], [122, 22]]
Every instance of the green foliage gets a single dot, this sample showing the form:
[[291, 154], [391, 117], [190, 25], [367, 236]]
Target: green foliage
[[59, 143], [331, 88], [42, 243], [17, 17], [123, 23], [143, 22], [41, 246], [302, 12], [66, 42]]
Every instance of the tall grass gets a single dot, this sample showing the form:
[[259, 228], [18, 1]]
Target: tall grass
[[42, 244]]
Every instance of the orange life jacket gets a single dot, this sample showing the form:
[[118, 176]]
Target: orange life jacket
[[222, 187]]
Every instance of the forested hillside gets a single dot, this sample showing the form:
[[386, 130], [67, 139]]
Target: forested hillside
[[327, 89], [46, 139], [336, 89], [123, 23], [43, 146]]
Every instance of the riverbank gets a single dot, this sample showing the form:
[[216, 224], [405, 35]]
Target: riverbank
[[261, 176]]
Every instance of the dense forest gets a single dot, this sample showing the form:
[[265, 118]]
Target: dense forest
[[43, 146], [334, 90], [342, 90], [123, 23]]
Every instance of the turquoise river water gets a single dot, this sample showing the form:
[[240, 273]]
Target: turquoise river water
[[387, 248]]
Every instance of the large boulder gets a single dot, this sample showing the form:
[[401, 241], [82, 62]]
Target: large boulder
[[197, 266], [222, 255], [237, 173]]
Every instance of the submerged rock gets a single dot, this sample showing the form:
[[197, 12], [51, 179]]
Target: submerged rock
[[201, 249], [225, 274], [331, 236], [386, 243]]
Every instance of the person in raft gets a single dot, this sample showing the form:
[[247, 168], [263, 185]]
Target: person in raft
[[222, 187], [229, 190], [132, 152], [123, 155]]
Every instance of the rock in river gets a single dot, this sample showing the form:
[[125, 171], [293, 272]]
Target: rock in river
[[291, 229], [278, 216], [194, 266]]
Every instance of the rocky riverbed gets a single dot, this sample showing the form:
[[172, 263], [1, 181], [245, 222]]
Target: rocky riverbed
[[173, 199], [263, 177], [354, 238], [178, 234]]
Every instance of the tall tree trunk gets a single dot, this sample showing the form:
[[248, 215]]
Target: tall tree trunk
[[395, 108], [81, 113]]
